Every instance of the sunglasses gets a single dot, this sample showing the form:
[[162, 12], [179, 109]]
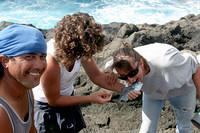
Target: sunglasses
[[130, 74]]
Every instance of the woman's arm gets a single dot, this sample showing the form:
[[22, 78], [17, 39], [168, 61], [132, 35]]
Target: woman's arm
[[50, 81], [100, 78]]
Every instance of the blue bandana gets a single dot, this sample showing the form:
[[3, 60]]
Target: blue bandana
[[18, 39]]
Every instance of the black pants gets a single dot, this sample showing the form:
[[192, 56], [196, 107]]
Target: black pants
[[57, 119]]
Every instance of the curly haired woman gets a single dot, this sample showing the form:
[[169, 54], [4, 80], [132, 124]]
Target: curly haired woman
[[77, 38]]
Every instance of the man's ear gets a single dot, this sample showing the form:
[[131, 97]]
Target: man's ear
[[142, 63], [145, 65], [4, 60]]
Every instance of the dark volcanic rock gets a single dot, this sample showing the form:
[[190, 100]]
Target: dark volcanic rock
[[115, 117], [110, 30]]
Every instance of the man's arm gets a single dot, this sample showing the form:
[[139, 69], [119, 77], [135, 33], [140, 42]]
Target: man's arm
[[196, 79], [5, 124]]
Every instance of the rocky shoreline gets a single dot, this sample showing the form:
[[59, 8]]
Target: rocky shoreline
[[114, 117]]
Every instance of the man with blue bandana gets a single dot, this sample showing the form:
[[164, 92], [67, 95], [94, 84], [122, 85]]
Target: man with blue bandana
[[22, 62]]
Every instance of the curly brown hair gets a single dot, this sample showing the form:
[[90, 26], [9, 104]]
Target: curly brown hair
[[76, 36]]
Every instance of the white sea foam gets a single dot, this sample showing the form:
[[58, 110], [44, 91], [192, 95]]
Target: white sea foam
[[45, 13]]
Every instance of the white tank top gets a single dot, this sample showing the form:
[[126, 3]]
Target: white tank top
[[66, 78]]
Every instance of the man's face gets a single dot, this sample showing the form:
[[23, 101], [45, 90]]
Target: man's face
[[133, 75], [27, 69]]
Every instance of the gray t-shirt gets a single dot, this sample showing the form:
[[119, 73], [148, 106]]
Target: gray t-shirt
[[18, 125]]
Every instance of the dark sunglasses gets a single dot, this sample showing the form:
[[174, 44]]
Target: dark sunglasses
[[130, 74]]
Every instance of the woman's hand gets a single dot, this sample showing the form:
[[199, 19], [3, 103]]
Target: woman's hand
[[111, 77], [132, 95], [101, 97]]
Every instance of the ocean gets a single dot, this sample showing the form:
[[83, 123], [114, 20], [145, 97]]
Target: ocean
[[46, 13]]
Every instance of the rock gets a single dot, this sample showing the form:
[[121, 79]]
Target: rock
[[111, 117], [126, 30], [110, 30]]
